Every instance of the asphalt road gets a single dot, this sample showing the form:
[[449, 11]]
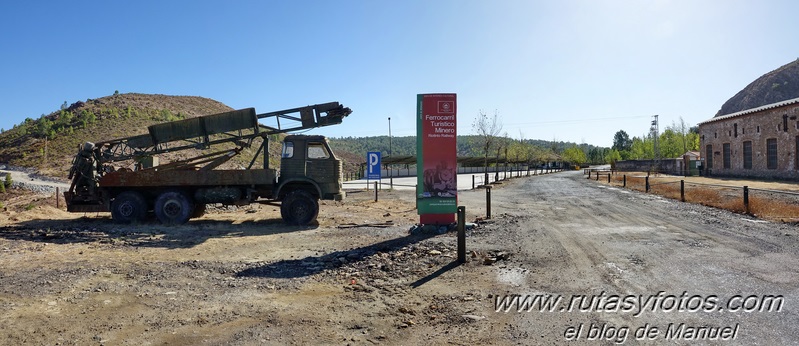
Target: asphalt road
[[464, 181], [592, 245]]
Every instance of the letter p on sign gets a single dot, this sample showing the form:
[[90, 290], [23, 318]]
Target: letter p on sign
[[373, 165]]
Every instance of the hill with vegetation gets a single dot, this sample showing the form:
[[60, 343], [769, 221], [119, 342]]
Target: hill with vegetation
[[776, 86], [49, 143], [527, 150]]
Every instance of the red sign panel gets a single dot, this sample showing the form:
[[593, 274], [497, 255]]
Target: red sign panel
[[437, 157]]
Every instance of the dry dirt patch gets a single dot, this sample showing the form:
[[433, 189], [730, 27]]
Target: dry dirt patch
[[236, 275]]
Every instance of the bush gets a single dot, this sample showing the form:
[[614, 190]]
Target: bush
[[8, 181]]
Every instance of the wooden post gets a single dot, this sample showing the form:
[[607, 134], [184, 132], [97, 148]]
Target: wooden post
[[472, 181], [57, 192], [624, 180], [461, 234], [682, 190], [608, 178], [746, 199], [375, 191], [647, 183]]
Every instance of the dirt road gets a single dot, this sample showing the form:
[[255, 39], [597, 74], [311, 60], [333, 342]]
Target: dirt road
[[239, 276], [585, 239]]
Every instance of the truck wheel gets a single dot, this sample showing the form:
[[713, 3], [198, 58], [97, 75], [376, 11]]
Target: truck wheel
[[128, 207], [299, 208], [199, 211], [173, 208]]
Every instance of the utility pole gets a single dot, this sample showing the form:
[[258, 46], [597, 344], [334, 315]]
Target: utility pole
[[389, 136], [655, 130]]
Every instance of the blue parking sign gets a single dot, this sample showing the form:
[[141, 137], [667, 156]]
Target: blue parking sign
[[373, 165]]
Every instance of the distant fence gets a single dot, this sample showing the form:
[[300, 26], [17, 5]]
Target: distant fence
[[764, 203], [478, 180]]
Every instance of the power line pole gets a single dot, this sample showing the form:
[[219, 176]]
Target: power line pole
[[655, 130]]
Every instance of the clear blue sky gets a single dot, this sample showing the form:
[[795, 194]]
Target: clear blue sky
[[571, 70]]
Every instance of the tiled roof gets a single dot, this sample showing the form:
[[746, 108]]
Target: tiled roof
[[751, 110]]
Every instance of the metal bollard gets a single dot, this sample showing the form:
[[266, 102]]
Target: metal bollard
[[647, 183], [746, 199], [461, 234], [488, 201], [608, 178], [375, 191]]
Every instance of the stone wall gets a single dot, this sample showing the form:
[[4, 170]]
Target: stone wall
[[667, 166], [778, 124]]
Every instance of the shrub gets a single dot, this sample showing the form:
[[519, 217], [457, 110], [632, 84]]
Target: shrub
[[8, 181]]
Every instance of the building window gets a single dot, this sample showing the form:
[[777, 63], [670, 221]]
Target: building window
[[748, 153], [735, 130], [771, 153], [725, 149], [796, 155], [785, 122], [709, 156], [758, 128]]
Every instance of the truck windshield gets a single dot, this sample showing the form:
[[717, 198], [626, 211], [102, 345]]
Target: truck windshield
[[288, 150], [317, 151]]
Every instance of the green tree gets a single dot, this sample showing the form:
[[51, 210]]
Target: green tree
[[574, 155], [612, 156], [487, 130], [642, 149], [622, 141], [671, 144]]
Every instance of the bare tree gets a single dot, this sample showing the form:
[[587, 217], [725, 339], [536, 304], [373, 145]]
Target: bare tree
[[488, 130]]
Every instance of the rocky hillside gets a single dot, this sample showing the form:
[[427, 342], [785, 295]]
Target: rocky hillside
[[49, 143], [778, 85]]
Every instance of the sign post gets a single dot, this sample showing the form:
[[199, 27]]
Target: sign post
[[436, 158], [373, 165]]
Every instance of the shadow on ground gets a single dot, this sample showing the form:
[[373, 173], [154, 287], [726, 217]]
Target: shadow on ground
[[150, 234], [311, 265]]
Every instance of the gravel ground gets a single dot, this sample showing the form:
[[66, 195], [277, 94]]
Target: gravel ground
[[239, 276]]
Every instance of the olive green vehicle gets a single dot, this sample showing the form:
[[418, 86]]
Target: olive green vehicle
[[124, 177]]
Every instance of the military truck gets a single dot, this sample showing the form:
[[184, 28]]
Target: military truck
[[125, 177]]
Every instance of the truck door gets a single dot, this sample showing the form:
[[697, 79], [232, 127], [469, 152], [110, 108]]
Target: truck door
[[323, 167]]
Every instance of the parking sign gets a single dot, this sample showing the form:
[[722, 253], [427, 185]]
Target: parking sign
[[373, 165]]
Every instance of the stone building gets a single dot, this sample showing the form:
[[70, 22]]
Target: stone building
[[759, 142]]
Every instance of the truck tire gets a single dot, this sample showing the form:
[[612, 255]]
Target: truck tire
[[299, 208], [173, 208], [128, 207], [199, 211]]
